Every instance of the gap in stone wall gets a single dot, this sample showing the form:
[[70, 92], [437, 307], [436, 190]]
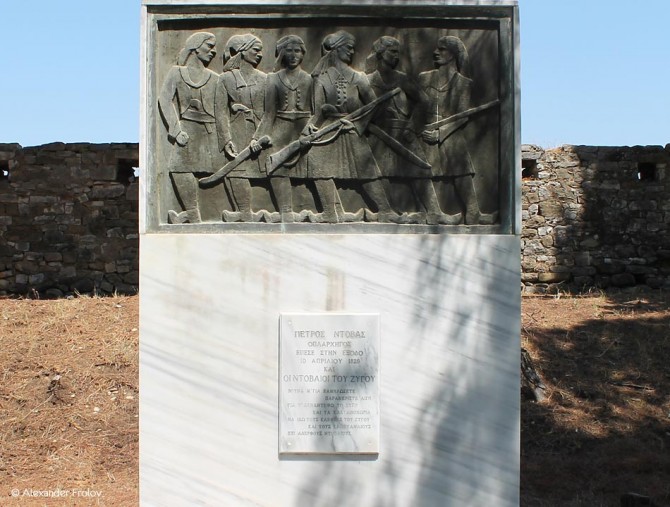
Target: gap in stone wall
[[127, 170], [646, 171], [529, 169]]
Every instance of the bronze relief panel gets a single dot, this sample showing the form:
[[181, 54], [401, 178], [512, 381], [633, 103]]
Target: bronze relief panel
[[312, 120]]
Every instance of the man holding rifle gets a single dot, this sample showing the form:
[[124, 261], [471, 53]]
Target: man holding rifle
[[449, 91]]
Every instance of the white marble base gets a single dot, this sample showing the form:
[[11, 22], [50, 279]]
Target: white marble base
[[449, 310]]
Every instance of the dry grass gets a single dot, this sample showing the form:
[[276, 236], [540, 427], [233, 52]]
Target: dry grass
[[69, 400], [605, 428]]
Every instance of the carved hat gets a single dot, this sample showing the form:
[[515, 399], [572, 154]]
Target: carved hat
[[235, 46], [281, 46], [328, 46], [192, 43]]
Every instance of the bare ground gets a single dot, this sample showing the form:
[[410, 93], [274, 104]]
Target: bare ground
[[69, 400], [604, 429]]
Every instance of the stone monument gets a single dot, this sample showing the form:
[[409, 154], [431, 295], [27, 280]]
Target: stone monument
[[330, 253]]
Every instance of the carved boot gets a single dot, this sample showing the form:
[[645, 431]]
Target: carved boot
[[415, 217], [281, 188], [480, 218], [443, 218], [250, 216], [346, 216], [191, 216], [242, 216], [386, 216], [271, 217], [186, 189], [231, 216], [241, 189], [326, 217], [287, 215], [375, 190], [473, 215], [304, 215], [328, 196], [434, 214]]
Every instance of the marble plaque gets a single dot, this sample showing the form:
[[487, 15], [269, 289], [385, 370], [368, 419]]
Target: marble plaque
[[329, 383]]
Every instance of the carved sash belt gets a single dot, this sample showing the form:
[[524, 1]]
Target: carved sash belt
[[293, 115], [399, 124], [199, 116], [243, 110]]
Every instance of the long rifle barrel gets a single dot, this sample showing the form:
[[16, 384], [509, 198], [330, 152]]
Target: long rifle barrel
[[463, 114], [278, 158]]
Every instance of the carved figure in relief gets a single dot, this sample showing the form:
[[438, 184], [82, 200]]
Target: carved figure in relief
[[400, 118], [288, 108], [449, 92], [339, 90], [239, 106], [186, 103]]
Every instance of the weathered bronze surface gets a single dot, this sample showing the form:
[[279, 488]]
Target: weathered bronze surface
[[349, 120]]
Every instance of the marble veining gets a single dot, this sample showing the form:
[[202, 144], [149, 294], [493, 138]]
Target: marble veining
[[449, 314]]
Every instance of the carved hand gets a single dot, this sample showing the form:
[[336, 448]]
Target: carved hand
[[430, 136], [182, 138], [255, 146], [347, 126], [230, 149], [310, 128], [237, 108]]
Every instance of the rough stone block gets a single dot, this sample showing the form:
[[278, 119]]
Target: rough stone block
[[103, 173], [36, 279], [623, 280], [53, 256], [553, 277], [641, 270], [592, 242], [584, 271], [529, 277], [110, 191], [548, 241]]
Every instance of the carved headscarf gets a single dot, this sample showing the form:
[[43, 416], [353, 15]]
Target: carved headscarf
[[456, 48], [328, 47], [192, 43], [378, 47], [236, 45], [281, 46]]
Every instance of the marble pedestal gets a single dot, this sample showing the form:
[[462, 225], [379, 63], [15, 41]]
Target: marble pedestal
[[449, 312]]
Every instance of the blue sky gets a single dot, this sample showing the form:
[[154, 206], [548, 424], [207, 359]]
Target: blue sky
[[592, 71]]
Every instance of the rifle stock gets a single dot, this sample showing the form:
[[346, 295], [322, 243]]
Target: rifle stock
[[264, 141], [278, 158]]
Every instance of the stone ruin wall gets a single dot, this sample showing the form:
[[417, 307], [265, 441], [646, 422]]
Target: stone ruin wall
[[593, 217], [68, 219]]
